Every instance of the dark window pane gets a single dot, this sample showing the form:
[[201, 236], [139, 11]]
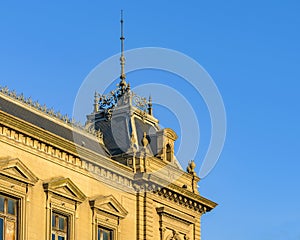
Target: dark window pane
[[1, 204], [99, 232], [61, 223], [11, 206], [53, 220], [1, 229], [53, 236], [61, 238], [106, 235]]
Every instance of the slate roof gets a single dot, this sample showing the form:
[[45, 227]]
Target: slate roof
[[38, 120], [117, 134]]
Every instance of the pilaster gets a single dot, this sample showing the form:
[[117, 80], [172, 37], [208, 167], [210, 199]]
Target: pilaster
[[140, 215], [148, 216]]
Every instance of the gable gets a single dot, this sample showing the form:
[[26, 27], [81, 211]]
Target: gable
[[66, 188], [110, 205], [14, 168]]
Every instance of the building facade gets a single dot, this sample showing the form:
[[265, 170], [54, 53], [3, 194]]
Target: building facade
[[115, 178]]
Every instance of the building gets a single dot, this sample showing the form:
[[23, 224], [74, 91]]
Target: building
[[116, 178]]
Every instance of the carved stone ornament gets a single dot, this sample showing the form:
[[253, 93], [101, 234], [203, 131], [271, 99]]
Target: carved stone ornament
[[191, 167], [174, 236], [145, 141]]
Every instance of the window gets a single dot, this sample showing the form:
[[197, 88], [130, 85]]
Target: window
[[107, 213], [8, 218], [63, 198], [169, 153], [59, 226], [104, 234], [16, 181]]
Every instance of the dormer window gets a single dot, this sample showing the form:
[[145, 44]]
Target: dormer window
[[169, 153]]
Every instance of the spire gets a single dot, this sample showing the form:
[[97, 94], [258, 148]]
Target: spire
[[122, 58], [96, 102], [150, 105]]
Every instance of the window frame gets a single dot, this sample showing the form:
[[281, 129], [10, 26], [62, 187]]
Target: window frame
[[7, 217], [62, 203], [104, 218], [60, 232], [111, 232], [16, 182]]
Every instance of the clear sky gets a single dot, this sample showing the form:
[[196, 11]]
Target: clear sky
[[250, 48]]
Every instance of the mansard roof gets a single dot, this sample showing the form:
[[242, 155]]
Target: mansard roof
[[117, 134], [127, 123]]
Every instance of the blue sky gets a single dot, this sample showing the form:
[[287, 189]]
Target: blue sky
[[250, 48]]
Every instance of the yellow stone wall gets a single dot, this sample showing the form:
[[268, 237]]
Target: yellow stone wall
[[161, 213]]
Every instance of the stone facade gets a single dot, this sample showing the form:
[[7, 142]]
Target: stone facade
[[60, 180]]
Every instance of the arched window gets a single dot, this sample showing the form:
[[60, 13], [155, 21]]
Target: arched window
[[169, 152]]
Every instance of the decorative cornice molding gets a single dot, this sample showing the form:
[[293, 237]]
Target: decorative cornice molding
[[175, 194], [112, 172], [65, 152]]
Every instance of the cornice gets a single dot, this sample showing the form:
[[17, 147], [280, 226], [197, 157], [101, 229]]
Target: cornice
[[64, 151], [98, 165], [172, 192]]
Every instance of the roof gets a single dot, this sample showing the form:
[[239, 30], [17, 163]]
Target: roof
[[22, 110]]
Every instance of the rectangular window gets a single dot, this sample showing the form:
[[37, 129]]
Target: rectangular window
[[59, 226], [8, 218], [1, 204], [1, 228], [104, 234]]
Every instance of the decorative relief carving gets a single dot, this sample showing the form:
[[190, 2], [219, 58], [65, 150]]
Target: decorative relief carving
[[174, 236], [139, 102]]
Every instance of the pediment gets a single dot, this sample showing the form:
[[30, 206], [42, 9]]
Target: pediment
[[14, 168], [169, 133], [109, 204], [66, 188]]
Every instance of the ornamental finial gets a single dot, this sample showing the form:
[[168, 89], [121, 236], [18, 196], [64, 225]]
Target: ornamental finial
[[122, 58], [145, 141]]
